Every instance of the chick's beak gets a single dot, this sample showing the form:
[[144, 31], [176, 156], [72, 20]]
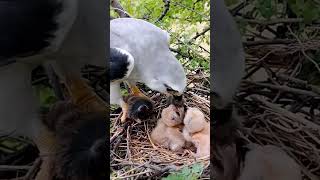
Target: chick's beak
[[175, 100]]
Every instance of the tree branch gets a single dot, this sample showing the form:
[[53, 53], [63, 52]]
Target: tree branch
[[119, 9], [201, 33], [273, 21], [54, 81], [266, 42], [165, 10], [234, 11]]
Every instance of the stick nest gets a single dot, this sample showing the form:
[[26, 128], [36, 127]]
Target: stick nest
[[280, 108], [134, 155]]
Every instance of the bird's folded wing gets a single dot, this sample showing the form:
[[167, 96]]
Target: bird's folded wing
[[120, 65], [26, 27]]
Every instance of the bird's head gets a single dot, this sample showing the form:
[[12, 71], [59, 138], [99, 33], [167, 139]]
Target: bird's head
[[171, 81], [139, 107]]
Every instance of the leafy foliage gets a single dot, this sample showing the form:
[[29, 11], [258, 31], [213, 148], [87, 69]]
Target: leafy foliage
[[266, 9], [306, 9], [191, 173], [46, 96]]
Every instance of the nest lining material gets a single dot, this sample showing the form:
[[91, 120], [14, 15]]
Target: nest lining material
[[279, 108], [133, 154]]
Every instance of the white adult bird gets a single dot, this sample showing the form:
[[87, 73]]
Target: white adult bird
[[66, 33], [144, 47]]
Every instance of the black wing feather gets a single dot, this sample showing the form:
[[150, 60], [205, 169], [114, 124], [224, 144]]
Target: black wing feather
[[119, 65], [26, 26]]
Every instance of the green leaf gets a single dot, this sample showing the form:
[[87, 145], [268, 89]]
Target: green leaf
[[189, 173], [46, 96], [266, 8], [310, 12], [197, 168]]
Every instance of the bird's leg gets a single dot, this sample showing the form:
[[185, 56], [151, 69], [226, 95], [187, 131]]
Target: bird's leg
[[83, 96], [136, 91], [46, 144], [125, 108]]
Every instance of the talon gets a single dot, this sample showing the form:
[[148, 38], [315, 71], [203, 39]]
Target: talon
[[136, 91], [124, 107], [46, 144], [83, 96], [45, 170]]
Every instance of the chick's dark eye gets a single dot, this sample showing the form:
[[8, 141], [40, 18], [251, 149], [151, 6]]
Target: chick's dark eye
[[143, 108]]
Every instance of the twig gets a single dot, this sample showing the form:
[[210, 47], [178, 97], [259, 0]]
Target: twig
[[236, 9], [268, 42], [165, 10], [54, 81], [13, 168], [303, 50], [285, 88], [273, 21], [119, 9], [33, 170], [200, 34], [289, 114]]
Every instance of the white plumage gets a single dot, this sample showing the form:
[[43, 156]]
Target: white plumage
[[154, 64]]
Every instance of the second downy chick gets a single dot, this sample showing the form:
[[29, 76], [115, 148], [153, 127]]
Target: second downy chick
[[197, 130], [167, 132]]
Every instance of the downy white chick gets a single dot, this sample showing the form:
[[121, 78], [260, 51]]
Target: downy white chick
[[270, 163], [167, 132], [197, 130]]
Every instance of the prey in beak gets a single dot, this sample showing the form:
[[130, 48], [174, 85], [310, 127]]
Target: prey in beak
[[176, 100]]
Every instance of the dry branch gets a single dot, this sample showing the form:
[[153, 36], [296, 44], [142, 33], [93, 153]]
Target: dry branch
[[119, 9], [136, 156], [166, 8]]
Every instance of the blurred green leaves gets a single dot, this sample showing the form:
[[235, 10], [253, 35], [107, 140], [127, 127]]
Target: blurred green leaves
[[190, 173], [306, 9], [267, 8], [45, 95]]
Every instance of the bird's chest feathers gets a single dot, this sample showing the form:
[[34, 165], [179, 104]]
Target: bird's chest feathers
[[74, 36]]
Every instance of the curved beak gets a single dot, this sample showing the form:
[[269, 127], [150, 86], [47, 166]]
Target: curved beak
[[172, 92]]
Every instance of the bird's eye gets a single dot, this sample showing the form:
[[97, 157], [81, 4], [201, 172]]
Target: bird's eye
[[143, 108], [168, 87]]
